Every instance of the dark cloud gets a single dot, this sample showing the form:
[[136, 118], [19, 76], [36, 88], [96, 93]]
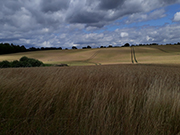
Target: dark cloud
[[96, 25], [54, 5], [9, 7], [110, 4], [85, 17], [90, 12], [169, 1], [8, 39], [104, 11]]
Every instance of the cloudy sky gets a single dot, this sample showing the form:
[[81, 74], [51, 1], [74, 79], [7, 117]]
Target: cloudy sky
[[64, 23]]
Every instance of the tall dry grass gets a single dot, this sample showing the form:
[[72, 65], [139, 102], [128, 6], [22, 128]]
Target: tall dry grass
[[99, 100]]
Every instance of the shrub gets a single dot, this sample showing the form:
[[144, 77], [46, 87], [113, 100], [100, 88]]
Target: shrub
[[5, 64], [23, 62], [30, 62], [34, 62], [24, 58], [16, 63]]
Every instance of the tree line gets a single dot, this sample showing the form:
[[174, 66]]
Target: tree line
[[6, 48]]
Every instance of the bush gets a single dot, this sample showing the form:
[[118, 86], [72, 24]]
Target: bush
[[23, 62], [16, 63], [5, 64], [24, 58], [35, 63], [30, 62]]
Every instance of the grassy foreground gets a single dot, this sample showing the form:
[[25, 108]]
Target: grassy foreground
[[97, 100]]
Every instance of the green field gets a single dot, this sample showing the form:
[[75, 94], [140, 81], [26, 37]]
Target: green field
[[169, 54]]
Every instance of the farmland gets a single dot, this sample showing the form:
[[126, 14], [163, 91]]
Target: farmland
[[113, 98], [169, 54]]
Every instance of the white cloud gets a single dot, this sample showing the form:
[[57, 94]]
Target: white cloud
[[45, 30], [46, 44], [124, 34], [139, 17], [67, 22], [177, 17], [160, 13]]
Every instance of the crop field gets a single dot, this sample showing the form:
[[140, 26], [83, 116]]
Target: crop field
[[169, 54], [123, 99], [115, 97], [76, 57]]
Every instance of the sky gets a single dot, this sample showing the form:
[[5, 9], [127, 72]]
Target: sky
[[67, 23]]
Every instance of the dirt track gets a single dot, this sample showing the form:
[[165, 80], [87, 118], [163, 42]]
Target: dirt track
[[133, 55]]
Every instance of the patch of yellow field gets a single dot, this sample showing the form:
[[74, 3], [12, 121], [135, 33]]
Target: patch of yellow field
[[169, 54]]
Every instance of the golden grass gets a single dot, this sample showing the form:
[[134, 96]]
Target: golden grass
[[93, 100]]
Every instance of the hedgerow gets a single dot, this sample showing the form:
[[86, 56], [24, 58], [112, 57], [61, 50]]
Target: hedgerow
[[23, 62]]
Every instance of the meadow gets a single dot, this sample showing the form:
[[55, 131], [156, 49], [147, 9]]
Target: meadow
[[124, 99]]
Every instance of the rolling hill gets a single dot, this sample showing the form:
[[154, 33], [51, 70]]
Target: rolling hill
[[164, 54]]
